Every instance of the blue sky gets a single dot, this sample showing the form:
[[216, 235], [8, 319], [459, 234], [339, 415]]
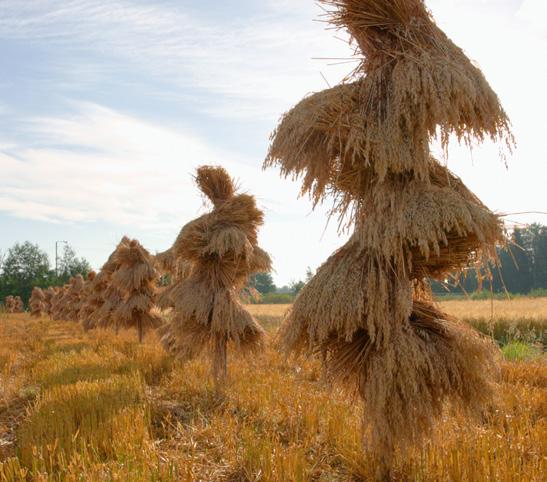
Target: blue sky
[[106, 108]]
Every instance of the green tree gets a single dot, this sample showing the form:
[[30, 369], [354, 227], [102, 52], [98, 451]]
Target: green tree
[[70, 265], [524, 256], [536, 237], [515, 274], [296, 286], [523, 265], [263, 283], [24, 267]]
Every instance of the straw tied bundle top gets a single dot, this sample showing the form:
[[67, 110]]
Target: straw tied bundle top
[[367, 143], [221, 250]]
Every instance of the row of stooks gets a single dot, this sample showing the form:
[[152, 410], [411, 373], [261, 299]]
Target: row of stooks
[[127, 279], [368, 312]]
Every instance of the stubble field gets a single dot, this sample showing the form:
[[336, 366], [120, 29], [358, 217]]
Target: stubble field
[[96, 406]]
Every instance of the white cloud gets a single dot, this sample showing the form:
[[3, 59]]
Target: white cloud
[[109, 166], [122, 170], [256, 67]]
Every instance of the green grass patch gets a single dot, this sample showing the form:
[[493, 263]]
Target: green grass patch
[[508, 330], [519, 351]]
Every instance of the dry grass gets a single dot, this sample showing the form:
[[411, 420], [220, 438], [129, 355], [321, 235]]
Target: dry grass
[[518, 308], [97, 406]]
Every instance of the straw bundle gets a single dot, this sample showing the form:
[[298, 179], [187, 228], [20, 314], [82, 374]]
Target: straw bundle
[[430, 362], [112, 298], [18, 306], [259, 262], [354, 290], [428, 229], [177, 271], [165, 299], [87, 291], [367, 310], [48, 296], [136, 280], [106, 297], [57, 302], [65, 301], [36, 302], [9, 303], [93, 301], [378, 333], [72, 298], [222, 248]]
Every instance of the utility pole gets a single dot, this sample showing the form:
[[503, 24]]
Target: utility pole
[[57, 256]]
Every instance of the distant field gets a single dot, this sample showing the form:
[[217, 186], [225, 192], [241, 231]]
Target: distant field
[[99, 407], [519, 308], [530, 308], [522, 319]]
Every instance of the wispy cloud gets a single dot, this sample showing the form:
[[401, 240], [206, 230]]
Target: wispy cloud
[[255, 67], [99, 164], [109, 166]]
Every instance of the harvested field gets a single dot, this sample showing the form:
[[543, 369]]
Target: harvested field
[[96, 406]]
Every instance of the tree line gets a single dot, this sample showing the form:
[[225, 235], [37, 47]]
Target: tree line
[[25, 266], [522, 267], [270, 293]]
